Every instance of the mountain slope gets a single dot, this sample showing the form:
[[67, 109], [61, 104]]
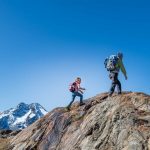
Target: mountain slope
[[21, 116], [104, 123]]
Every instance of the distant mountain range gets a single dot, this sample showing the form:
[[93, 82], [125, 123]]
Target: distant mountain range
[[21, 117]]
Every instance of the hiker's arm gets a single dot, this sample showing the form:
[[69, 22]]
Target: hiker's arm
[[122, 68], [81, 88], [80, 91]]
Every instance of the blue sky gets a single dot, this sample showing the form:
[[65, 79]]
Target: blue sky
[[45, 45]]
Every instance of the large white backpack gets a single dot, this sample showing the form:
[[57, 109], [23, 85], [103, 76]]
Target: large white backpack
[[111, 62]]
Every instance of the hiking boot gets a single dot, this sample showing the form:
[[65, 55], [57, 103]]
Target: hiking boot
[[81, 104], [119, 93], [68, 108], [110, 94]]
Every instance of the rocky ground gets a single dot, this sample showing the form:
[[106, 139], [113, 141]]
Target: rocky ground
[[5, 137], [104, 123]]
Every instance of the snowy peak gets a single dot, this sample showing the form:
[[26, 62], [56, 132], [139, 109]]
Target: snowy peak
[[22, 105], [37, 108], [22, 116]]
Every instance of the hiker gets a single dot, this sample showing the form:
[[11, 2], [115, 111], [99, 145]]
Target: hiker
[[113, 64], [76, 91]]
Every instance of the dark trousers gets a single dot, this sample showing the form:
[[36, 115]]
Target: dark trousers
[[74, 94], [115, 82]]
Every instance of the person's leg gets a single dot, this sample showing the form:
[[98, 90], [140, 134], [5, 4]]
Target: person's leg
[[113, 84], [81, 97], [73, 98], [119, 89], [112, 88]]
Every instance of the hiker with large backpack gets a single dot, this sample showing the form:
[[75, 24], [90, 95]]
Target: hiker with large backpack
[[76, 90], [114, 64]]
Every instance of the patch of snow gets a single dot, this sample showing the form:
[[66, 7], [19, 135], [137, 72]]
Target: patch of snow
[[3, 115], [22, 119], [43, 111], [32, 115]]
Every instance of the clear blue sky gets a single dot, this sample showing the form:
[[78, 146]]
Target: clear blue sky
[[45, 44]]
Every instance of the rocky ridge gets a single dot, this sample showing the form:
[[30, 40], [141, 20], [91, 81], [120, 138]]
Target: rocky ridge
[[104, 123]]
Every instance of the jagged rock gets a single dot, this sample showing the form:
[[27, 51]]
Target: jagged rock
[[8, 133], [5, 136], [104, 123]]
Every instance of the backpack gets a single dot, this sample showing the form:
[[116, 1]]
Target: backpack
[[111, 62], [72, 87]]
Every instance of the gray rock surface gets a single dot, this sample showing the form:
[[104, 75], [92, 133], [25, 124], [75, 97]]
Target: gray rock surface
[[104, 123]]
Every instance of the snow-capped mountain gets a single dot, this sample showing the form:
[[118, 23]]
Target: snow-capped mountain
[[21, 116]]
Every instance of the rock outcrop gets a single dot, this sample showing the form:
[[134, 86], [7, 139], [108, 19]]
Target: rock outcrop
[[103, 123], [5, 137]]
